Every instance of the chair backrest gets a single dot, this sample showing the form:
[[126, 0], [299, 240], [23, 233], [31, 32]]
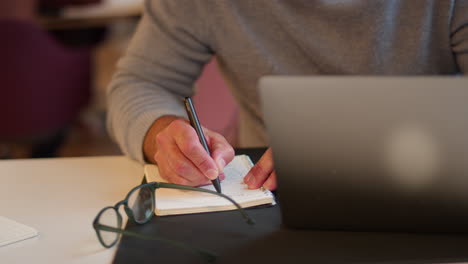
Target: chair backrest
[[43, 86], [215, 105]]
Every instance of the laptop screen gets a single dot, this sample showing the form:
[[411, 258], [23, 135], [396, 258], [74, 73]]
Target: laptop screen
[[370, 153]]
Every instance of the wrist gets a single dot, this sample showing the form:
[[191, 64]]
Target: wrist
[[149, 142]]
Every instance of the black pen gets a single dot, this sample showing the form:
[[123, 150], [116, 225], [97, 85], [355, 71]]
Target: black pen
[[192, 114]]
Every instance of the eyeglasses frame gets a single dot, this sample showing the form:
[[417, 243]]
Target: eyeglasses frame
[[207, 255]]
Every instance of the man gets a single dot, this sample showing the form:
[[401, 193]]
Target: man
[[252, 38]]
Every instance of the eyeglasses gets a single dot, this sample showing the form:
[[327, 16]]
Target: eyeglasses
[[139, 205]]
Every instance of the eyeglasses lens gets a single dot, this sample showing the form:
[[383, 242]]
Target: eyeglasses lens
[[141, 202], [109, 218]]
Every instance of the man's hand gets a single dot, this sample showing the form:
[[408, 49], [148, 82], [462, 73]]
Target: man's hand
[[263, 173], [174, 145]]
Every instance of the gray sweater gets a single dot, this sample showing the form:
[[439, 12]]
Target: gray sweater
[[252, 38]]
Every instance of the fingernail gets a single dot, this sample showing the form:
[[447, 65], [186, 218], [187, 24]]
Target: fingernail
[[251, 181], [212, 174], [247, 178]]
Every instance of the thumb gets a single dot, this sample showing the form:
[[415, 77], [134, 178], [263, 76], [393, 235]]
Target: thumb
[[261, 171]]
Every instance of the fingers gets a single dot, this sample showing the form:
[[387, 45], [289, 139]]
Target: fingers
[[187, 141], [169, 174], [262, 174], [180, 165], [182, 159], [270, 183]]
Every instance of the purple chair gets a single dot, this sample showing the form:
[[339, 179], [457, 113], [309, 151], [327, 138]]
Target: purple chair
[[43, 87]]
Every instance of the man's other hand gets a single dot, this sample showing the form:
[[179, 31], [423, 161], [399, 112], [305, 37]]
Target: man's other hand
[[263, 173]]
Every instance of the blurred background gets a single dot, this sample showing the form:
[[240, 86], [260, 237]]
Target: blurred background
[[56, 60]]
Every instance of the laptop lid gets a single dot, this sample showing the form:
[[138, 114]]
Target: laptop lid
[[370, 153]]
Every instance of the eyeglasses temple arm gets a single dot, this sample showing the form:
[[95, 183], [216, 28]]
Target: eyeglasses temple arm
[[249, 220], [208, 255]]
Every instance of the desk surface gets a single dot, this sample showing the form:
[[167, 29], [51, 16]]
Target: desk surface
[[60, 198], [268, 242], [99, 14]]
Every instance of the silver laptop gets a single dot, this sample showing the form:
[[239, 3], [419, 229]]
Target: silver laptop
[[370, 153]]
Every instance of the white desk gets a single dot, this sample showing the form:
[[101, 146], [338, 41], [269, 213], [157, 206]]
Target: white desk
[[60, 198], [99, 14]]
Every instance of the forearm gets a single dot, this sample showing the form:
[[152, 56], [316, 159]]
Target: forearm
[[161, 64], [133, 107]]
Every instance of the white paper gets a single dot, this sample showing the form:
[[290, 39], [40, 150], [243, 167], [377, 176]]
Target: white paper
[[171, 201], [11, 231]]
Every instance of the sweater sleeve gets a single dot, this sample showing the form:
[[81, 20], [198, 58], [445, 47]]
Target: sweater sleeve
[[459, 34], [165, 57]]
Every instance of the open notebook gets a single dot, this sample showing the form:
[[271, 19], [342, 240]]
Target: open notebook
[[171, 202]]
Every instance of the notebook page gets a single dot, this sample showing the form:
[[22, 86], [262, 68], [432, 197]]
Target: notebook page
[[170, 201], [11, 231]]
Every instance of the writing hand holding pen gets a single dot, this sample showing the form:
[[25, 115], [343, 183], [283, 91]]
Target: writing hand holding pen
[[173, 144], [195, 123]]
